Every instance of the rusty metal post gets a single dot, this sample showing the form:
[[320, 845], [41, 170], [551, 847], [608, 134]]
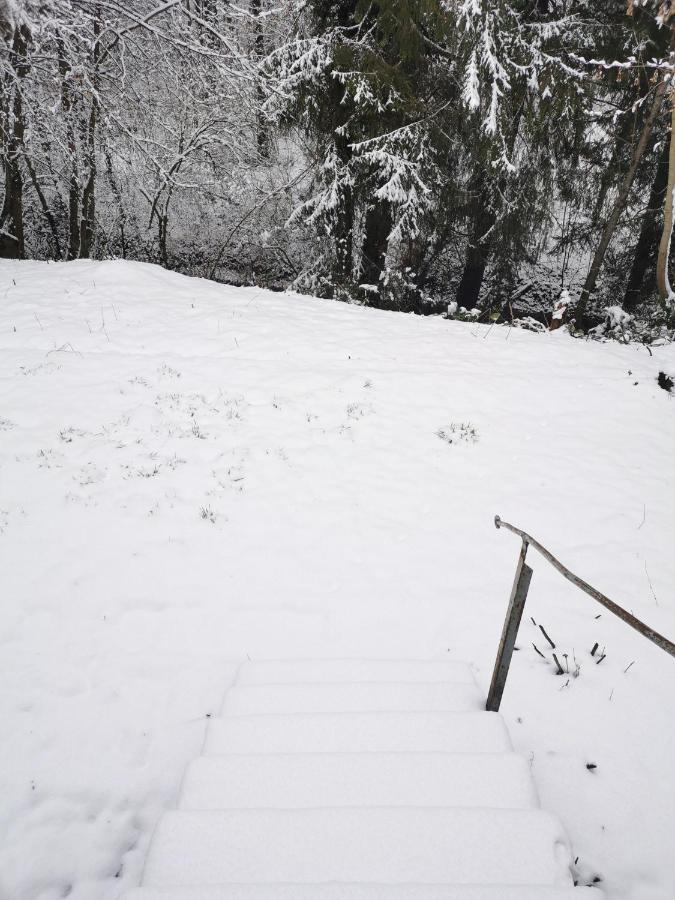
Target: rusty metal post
[[521, 585]]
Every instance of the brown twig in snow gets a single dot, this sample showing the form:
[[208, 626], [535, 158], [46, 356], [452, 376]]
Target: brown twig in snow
[[543, 631]]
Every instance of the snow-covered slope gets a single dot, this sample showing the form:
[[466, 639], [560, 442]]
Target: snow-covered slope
[[192, 475]]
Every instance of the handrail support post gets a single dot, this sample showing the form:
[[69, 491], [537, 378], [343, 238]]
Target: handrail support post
[[624, 615], [514, 613]]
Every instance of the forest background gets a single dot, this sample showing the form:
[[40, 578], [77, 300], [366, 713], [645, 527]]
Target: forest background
[[492, 159]]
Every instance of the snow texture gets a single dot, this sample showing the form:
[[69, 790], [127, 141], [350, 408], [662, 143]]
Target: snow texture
[[425, 818], [358, 732], [326, 845], [258, 699], [366, 892], [192, 475], [307, 780]]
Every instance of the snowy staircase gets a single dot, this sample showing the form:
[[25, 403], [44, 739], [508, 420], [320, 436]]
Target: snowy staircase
[[355, 780]]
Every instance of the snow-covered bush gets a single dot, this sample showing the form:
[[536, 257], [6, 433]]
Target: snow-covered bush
[[529, 323]]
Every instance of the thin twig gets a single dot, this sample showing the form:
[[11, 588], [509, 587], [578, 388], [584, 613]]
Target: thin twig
[[543, 631], [651, 588], [644, 516]]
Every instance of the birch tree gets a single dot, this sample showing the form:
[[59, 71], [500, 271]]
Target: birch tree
[[666, 13]]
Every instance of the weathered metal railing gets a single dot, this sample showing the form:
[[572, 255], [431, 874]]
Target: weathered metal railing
[[514, 613]]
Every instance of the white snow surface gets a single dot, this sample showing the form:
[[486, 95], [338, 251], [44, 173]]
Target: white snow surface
[[325, 846], [302, 780], [193, 475]]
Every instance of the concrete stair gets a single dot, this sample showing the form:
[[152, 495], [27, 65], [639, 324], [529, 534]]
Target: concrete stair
[[308, 780], [364, 892], [358, 780], [472, 732]]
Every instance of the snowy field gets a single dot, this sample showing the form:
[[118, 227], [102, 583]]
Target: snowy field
[[194, 475]]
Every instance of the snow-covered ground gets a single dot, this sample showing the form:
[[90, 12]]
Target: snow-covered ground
[[192, 475]]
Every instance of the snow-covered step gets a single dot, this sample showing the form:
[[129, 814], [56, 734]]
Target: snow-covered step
[[258, 699], [472, 732], [365, 892], [357, 780], [307, 780], [381, 846], [338, 671]]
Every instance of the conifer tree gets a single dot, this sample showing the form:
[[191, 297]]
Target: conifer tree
[[357, 81]]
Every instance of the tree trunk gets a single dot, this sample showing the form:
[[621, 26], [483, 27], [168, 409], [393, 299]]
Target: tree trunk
[[377, 229], [162, 231], [483, 222], [662, 278], [619, 204], [73, 181], [344, 241], [73, 212], [624, 137], [343, 225], [88, 220], [262, 136], [478, 250], [11, 216], [647, 245], [51, 221], [114, 186]]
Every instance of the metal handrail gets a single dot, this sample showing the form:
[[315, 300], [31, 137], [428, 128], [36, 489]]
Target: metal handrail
[[514, 612]]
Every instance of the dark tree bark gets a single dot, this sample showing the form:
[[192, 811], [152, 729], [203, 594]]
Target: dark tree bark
[[162, 202], [483, 219], [262, 137], [88, 220], [646, 249], [12, 244], [619, 204], [117, 193], [478, 251], [344, 243], [343, 224], [616, 166], [73, 181], [51, 221], [377, 228]]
